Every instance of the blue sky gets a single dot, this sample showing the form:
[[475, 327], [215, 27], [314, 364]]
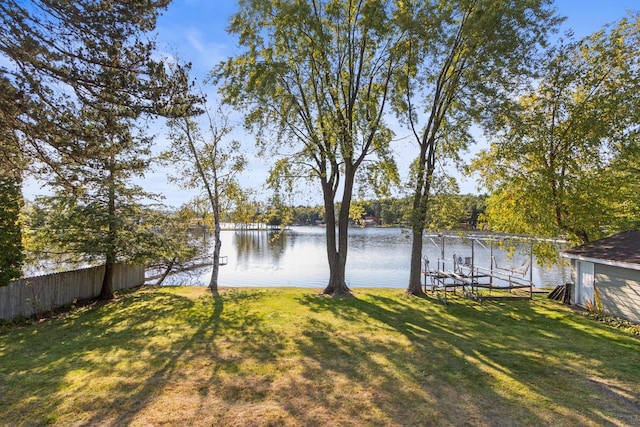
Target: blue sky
[[195, 31]]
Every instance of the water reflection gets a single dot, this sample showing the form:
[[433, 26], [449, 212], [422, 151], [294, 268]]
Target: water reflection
[[377, 257], [267, 243]]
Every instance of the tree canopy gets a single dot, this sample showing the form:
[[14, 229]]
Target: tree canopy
[[463, 60], [209, 163], [11, 169], [314, 78], [86, 78], [565, 158]]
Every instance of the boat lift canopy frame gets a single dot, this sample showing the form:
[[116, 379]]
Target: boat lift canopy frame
[[466, 274]]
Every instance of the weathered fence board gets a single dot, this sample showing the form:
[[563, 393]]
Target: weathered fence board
[[36, 295]]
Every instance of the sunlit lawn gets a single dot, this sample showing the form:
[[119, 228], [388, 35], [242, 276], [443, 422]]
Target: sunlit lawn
[[181, 356]]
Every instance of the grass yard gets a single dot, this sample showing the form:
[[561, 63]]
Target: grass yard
[[182, 356]]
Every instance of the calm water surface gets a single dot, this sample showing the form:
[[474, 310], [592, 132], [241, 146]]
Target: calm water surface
[[377, 257]]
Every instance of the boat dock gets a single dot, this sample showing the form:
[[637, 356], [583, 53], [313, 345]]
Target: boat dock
[[474, 281]]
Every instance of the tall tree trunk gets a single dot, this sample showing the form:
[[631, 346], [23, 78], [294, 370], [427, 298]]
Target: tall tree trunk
[[213, 194], [419, 214], [418, 219], [337, 248], [12, 252], [106, 292], [213, 284], [330, 235]]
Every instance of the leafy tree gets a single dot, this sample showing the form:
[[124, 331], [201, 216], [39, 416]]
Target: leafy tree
[[246, 210], [308, 215], [569, 143], [86, 72], [57, 54], [464, 58], [357, 212], [209, 165], [96, 213], [11, 169], [279, 210], [397, 212], [474, 207], [11, 256], [278, 213], [443, 213], [318, 73]]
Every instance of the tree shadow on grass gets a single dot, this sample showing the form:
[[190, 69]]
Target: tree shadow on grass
[[123, 354], [412, 373], [373, 359], [230, 318], [88, 345], [498, 364]]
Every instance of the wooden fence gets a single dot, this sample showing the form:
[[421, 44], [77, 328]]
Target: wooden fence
[[37, 295]]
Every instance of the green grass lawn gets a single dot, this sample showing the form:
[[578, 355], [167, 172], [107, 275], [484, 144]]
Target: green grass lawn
[[182, 356]]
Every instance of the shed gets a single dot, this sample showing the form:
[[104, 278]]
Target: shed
[[611, 266]]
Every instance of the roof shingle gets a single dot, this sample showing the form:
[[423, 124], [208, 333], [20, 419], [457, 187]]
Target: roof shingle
[[623, 247]]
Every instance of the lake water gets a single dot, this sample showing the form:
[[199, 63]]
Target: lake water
[[377, 257]]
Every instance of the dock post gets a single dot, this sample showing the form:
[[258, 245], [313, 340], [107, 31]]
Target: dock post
[[491, 263], [531, 270]]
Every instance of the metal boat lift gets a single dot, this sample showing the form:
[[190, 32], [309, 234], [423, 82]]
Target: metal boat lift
[[463, 272]]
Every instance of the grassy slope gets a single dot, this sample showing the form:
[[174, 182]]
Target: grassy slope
[[179, 356]]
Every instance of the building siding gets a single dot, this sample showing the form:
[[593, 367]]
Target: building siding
[[619, 291]]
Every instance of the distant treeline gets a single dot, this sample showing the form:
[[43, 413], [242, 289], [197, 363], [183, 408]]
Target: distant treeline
[[445, 212]]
